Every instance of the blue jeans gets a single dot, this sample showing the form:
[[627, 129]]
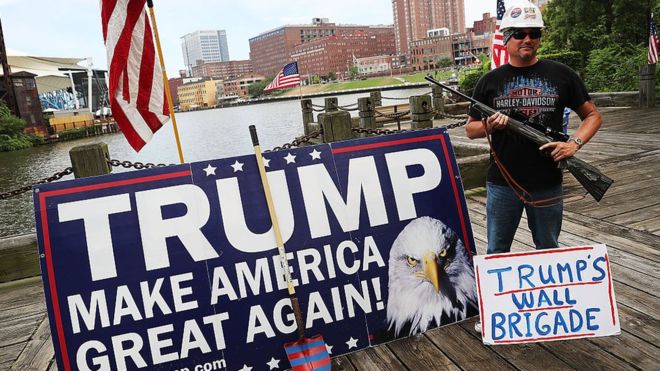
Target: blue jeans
[[504, 210]]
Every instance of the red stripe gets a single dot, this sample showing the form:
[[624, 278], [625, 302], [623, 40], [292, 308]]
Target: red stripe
[[459, 205], [321, 362], [539, 252], [609, 288], [548, 287], [126, 127], [146, 77], [51, 284], [546, 338], [390, 143], [308, 352], [107, 8], [120, 54]]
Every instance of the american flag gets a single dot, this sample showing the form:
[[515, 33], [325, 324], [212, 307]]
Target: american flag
[[653, 43], [286, 78], [499, 54], [137, 93], [308, 354]]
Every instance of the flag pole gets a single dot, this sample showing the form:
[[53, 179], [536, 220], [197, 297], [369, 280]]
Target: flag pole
[[150, 4]]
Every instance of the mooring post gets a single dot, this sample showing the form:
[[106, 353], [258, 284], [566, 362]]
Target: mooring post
[[307, 114], [438, 101], [336, 126], [376, 98], [366, 113], [421, 112], [90, 160], [331, 104], [647, 86]]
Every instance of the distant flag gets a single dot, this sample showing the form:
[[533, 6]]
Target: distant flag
[[653, 43], [288, 77], [499, 54], [137, 95]]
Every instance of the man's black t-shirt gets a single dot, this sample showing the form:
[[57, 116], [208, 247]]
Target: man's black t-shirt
[[539, 92]]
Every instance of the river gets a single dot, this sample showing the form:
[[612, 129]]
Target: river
[[205, 135]]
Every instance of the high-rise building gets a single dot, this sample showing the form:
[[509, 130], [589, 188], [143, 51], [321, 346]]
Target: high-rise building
[[413, 18], [271, 50], [204, 46]]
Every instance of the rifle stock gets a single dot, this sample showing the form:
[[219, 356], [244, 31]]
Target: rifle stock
[[595, 182]]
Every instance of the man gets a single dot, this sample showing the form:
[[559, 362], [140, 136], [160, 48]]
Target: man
[[528, 177]]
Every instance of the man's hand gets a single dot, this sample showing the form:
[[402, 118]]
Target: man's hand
[[560, 150], [497, 121]]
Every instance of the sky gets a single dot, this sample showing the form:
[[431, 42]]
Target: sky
[[72, 28]]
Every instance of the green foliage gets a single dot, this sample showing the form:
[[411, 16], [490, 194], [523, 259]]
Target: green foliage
[[353, 72], [9, 124], [467, 80], [572, 59], [14, 143], [257, 89], [444, 62], [614, 68], [76, 133]]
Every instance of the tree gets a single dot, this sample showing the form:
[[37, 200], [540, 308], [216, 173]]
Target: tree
[[444, 62], [332, 76], [256, 89], [9, 124], [353, 72]]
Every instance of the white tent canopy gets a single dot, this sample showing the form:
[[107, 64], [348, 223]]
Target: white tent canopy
[[48, 70]]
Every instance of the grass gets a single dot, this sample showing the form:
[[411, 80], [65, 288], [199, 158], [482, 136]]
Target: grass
[[419, 76]]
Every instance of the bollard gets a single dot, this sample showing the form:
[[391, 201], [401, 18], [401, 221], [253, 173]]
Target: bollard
[[438, 101], [376, 98], [421, 112], [367, 115], [331, 104], [90, 160], [647, 86], [336, 126], [307, 114]]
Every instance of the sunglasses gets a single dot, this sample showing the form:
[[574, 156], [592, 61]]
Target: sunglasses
[[520, 34]]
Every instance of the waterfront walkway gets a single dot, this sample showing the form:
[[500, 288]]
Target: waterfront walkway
[[626, 149]]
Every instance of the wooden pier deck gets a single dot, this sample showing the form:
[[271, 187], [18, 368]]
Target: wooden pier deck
[[628, 220]]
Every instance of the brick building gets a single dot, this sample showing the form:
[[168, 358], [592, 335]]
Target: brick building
[[485, 25], [374, 65], [425, 53], [271, 50], [27, 102], [239, 86], [336, 53], [198, 94], [223, 70], [413, 18]]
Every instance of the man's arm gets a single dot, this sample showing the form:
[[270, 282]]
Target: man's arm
[[475, 128], [591, 121]]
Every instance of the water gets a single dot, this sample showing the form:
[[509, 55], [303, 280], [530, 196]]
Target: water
[[205, 135]]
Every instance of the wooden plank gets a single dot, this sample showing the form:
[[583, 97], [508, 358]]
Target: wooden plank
[[466, 350], [631, 349], [19, 330], [639, 324], [523, 356], [584, 355], [418, 353], [8, 355], [38, 352], [342, 364], [376, 358]]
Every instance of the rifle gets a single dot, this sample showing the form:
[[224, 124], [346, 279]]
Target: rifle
[[595, 182]]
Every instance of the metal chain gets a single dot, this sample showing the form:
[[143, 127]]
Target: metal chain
[[347, 109], [396, 131], [394, 116], [298, 141], [52, 178], [318, 110], [137, 165], [446, 115]]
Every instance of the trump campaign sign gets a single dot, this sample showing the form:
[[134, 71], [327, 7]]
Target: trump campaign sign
[[546, 295], [177, 268]]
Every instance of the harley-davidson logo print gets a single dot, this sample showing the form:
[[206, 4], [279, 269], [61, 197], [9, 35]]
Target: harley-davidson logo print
[[529, 96]]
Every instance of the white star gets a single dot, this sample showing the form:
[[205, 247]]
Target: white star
[[290, 159], [329, 348], [274, 363], [245, 368], [316, 155], [266, 162], [210, 170], [352, 343], [238, 166]]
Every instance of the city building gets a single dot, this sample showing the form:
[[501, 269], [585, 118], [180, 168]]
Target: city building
[[27, 102], [373, 65], [336, 53], [204, 46], [223, 70], [271, 50], [426, 53], [175, 83], [484, 26], [413, 18], [239, 86], [197, 94]]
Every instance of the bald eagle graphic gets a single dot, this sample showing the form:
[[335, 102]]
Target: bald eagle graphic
[[430, 278]]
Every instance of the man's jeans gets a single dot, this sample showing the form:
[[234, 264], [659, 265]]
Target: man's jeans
[[504, 210]]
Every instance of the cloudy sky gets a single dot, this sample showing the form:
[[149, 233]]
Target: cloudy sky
[[72, 28]]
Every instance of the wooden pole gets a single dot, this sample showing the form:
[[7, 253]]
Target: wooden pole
[[150, 4], [90, 160]]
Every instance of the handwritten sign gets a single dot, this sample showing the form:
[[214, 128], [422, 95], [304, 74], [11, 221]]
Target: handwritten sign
[[177, 268], [546, 295]]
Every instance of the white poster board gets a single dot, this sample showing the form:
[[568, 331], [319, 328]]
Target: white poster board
[[546, 295]]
